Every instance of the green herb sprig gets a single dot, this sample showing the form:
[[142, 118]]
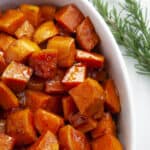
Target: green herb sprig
[[130, 28]]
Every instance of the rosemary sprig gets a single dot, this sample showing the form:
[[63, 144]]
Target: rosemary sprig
[[130, 28]]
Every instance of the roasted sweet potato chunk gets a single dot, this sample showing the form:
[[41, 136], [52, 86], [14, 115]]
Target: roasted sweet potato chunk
[[8, 99], [47, 121], [25, 30], [112, 99], [20, 49], [16, 76], [44, 63], [11, 20], [88, 96], [20, 126], [107, 142], [32, 13], [72, 139], [45, 31], [69, 17], [66, 50], [6, 142], [2, 62], [86, 35], [47, 141], [74, 76], [90, 59], [106, 125]]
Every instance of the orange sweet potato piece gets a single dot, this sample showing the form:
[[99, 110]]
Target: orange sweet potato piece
[[69, 17], [2, 62], [69, 107], [88, 96], [90, 59], [11, 20], [112, 99], [45, 31], [25, 30], [44, 63], [47, 141], [20, 49], [32, 13], [72, 139], [5, 41], [16, 76], [74, 76], [8, 99], [6, 142], [20, 126], [100, 112], [86, 35], [66, 50], [105, 126], [107, 142], [47, 121], [2, 126]]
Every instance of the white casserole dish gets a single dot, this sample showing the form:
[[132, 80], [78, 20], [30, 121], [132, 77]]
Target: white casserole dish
[[113, 56]]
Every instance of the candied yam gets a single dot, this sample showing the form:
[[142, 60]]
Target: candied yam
[[69, 17], [105, 126], [86, 35], [20, 49], [72, 139], [11, 20], [47, 121], [5, 41], [20, 126], [16, 76], [2, 62], [45, 31], [6, 142], [69, 107], [88, 96], [44, 63], [32, 13], [36, 99], [8, 99], [66, 50], [112, 99], [74, 76], [107, 142], [100, 112], [47, 141], [25, 30], [90, 59]]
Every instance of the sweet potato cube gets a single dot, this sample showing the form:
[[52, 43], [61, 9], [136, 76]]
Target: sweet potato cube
[[2, 62], [5, 41], [25, 30], [99, 114], [45, 31], [16, 76], [107, 142], [32, 13], [11, 20], [112, 99], [69, 17], [88, 96], [106, 125], [20, 126], [72, 139], [66, 50], [20, 49], [44, 63], [90, 59], [47, 141], [69, 107], [74, 76], [6, 142], [86, 35], [36, 99], [47, 121], [8, 99]]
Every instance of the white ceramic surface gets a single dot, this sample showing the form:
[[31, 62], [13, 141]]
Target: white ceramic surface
[[116, 64]]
